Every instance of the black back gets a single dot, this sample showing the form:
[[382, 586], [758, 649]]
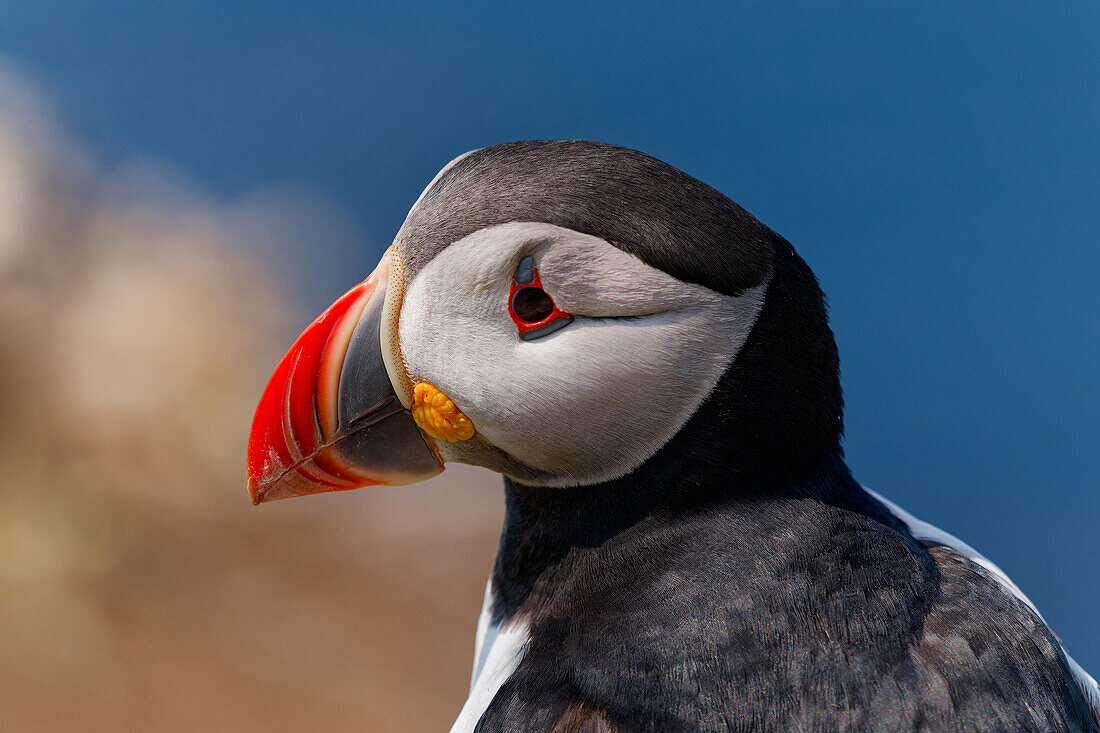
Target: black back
[[773, 614]]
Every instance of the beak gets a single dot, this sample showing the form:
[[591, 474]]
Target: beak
[[331, 418]]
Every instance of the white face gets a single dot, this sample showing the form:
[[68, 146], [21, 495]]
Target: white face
[[591, 401]]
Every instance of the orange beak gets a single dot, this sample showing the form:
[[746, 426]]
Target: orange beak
[[330, 418]]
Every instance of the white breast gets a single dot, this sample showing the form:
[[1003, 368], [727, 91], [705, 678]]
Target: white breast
[[498, 651]]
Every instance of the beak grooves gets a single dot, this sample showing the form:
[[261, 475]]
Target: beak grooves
[[300, 399], [333, 416]]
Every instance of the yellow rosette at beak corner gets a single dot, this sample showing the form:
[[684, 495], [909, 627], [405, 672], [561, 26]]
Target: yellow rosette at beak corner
[[438, 416]]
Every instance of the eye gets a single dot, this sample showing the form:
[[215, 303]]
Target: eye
[[532, 309], [532, 304]]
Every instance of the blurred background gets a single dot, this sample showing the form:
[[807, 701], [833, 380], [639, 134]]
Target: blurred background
[[183, 186]]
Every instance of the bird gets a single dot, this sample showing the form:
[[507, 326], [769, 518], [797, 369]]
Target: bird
[[652, 371]]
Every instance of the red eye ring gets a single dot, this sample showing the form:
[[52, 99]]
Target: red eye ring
[[533, 302]]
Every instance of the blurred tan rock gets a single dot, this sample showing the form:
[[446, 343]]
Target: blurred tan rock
[[139, 588]]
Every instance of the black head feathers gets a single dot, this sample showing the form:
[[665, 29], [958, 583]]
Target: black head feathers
[[641, 205]]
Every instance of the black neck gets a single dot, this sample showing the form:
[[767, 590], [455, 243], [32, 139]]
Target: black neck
[[769, 430], [543, 525]]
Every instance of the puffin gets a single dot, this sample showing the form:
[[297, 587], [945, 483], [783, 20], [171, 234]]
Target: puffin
[[652, 371]]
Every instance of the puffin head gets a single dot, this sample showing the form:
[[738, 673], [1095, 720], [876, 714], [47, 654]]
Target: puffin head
[[559, 312]]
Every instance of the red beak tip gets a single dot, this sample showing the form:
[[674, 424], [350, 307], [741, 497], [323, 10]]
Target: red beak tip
[[256, 492]]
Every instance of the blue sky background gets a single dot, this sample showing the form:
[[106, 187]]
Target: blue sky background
[[937, 164]]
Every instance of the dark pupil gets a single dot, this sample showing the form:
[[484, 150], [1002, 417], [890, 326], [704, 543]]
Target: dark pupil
[[532, 304]]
